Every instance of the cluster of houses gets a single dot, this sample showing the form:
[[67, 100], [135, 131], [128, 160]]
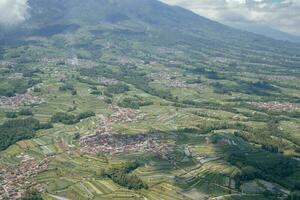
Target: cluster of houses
[[122, 143], [170, 81], [16, 179], [107, 81], [5, 63], [125, 114], [276, 106], [83, 63], [74, 61], [20, 100], [160, 76], [180, 84], [107, 141], [119, 115], [279, 78]]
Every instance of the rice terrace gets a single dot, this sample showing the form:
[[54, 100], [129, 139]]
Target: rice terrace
[[145, 100]]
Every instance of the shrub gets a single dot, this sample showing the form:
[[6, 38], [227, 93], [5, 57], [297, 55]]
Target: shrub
[[11, 115], [46, 126], [25, 112], [32, 195], [117, 88], [69, 119]]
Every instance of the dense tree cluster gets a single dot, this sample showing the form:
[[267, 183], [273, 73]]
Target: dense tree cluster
[[270, 137], [123, 177], [17, 129], [68, 86], [32, 195], [11, 87], [11, 115], [87, 81], [46, 125], [294, 196], [133, 102], [276, 167], [25, 112], [260, 88], [117, 88], [69, 119]]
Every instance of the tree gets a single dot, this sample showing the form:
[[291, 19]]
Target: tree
[[25, 112], [32, 195], [76, 136], [11, 115]]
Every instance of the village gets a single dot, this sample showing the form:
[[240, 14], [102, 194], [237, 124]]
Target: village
[[121, 143], [107, 81], [74, 61], [107, 141], [170, 81], [16, 179], [276, 106], [20, 100]]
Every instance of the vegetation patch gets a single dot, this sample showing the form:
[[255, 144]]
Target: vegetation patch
[[122, 176], [66, 118]]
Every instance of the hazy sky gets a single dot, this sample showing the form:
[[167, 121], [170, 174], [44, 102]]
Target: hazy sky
[[283, 15]]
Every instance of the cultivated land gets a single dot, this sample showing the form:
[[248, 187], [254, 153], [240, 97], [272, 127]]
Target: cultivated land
[[115, 112]]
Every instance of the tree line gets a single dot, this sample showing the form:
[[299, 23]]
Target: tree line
[[15, 130], [123, 176], [69, 119]]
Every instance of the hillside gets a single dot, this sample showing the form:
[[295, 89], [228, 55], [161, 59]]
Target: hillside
[[135, 99]]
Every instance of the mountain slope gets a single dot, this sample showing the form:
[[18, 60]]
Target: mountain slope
[[141, 14], [267, 31]]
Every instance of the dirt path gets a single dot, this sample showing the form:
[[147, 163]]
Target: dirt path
[[58, 198]]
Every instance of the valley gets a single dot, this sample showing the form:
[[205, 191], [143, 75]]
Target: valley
[[134, 107]]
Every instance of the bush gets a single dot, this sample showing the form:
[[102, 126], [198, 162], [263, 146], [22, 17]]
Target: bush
[[85, 115], [69, 119], [134, 103], [74, 92], [46, 126], [294, 196], [66, 87], [249, 173], [11, 115], [76, 136], [25, 112], [96, 92], [64, 118], [32, 195], [37, 89], [117, 88], [122, 177]]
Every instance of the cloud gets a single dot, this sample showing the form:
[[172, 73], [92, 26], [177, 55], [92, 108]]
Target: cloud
[[13, 12], [278, 14]]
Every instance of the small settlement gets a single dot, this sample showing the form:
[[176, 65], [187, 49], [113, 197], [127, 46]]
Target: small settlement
[[107, 141], [276, 106], [170, 81], [20, 100], [16, 179]]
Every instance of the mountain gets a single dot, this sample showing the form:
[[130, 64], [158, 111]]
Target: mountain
[[267, 31], [54, 17], [77, 24]]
